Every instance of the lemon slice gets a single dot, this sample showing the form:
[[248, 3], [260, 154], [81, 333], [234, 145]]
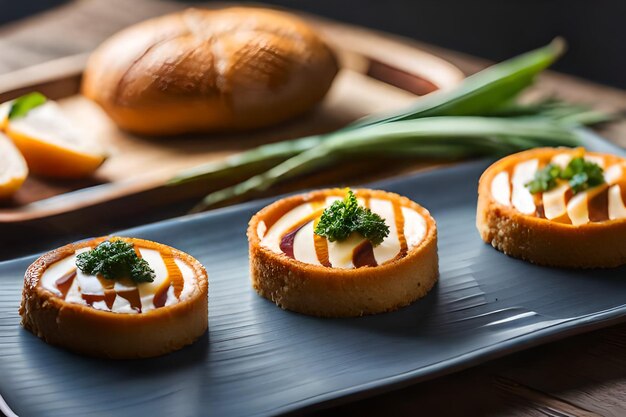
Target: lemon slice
[[13, 169], [52, 145]]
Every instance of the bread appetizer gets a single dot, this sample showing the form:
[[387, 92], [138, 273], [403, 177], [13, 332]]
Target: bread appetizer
[[338, 253], [116, 298], [556, 206], [210, 70]]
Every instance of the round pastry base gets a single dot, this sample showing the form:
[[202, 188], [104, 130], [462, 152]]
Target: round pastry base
[[330, 292], [93, 332], [542, 241]]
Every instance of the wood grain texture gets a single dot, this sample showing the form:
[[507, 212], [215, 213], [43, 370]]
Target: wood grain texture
[[586, 372]]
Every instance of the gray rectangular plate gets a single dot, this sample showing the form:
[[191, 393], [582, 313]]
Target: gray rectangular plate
[[260, 360]]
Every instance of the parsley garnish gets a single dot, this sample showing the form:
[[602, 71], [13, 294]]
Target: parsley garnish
[[580, 173], [345, 217], [583, 174], [545, 179], [115, 259], [22, 105]]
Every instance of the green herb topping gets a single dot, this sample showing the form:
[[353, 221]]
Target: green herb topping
[[115, 259], [580, 173], [22, 105], [344, 217], [545, 179]]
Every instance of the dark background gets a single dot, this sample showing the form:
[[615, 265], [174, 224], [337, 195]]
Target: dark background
[[493, 29]]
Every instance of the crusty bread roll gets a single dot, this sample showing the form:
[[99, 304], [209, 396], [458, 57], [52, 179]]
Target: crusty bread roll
[[210, 70]]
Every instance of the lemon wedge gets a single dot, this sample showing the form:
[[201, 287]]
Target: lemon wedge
[[52, 145], [13, 169]]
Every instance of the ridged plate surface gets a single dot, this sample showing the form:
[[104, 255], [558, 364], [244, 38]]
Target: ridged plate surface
[[259, 360]]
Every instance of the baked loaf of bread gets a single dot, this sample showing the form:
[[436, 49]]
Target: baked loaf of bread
[[304, 272], [117, 319], [559, 226], [210, 70]]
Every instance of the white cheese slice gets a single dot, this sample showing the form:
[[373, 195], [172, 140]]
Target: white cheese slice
[[390, 247], [414, 227], [271, 240], [554, 202], [501, 188], [616, 204], [304, 245], [578, 210], [613, 173], [340, 253], [523, 173], [561, 159]]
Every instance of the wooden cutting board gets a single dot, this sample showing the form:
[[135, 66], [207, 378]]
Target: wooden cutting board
[[379, 74]]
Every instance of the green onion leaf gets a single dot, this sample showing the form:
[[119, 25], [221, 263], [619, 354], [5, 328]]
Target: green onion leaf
[[481, 135], [482, 92]]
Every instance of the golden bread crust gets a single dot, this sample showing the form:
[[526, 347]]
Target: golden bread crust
[[542, 241], [93, 332], [210, 70], [332, 292]]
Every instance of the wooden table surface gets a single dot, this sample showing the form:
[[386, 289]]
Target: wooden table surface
[[579, 376]]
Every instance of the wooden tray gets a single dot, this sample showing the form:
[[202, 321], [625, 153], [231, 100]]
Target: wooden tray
[[379, 74]]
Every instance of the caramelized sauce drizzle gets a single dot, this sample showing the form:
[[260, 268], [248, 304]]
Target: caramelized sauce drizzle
[[597, 202], [92, 298], [109, 298], [363, 255], [539, 209], [65, 282], [160, 296], [174, 279], [321, 245], [286, 242], [320, 242], [397, 212], [107, 284], [132, 296]]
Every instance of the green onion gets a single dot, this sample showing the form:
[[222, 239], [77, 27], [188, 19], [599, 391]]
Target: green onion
[[467, 133], [482, 92]]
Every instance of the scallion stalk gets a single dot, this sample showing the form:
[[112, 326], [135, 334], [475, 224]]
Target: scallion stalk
[[465, 133]]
